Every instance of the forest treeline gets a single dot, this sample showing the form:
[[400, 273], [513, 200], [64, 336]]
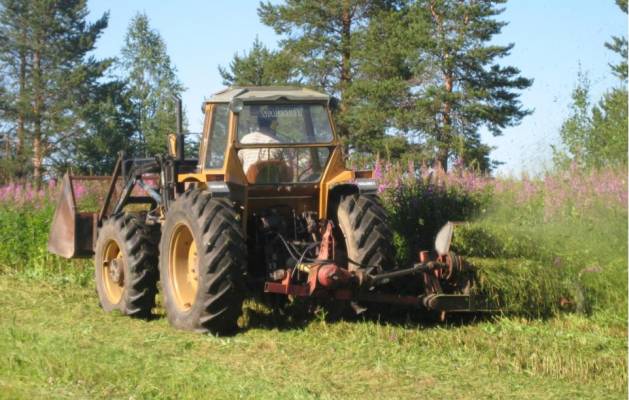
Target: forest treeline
[[61, 108], [415, 79]]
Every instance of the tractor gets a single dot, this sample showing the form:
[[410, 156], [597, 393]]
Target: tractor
[[267, 207]]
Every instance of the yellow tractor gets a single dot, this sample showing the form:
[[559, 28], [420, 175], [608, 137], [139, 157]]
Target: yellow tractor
[[267, 206]]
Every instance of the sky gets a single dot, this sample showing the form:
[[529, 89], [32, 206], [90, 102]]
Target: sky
[[553, 40]]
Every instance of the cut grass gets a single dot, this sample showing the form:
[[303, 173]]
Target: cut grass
[[532, 267], [525, 287], [55, 342]]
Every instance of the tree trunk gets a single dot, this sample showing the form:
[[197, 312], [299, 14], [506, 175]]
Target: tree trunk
[[20, 109], [446, 135], [37, 120], [37, 160], [345, 76], [346, 36]]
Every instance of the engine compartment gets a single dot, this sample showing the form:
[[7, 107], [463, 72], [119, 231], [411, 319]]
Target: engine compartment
[[281, 238]]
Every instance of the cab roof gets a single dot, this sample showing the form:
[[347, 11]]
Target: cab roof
[[267, 93]]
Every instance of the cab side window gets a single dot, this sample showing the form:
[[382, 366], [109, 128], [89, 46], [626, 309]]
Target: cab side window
[[215, 155]]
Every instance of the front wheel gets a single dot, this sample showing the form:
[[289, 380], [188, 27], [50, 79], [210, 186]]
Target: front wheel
[[202, 264], [126, 266]]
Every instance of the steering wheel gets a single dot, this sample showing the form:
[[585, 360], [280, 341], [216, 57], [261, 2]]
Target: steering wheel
[[301, 174], [284, 139]]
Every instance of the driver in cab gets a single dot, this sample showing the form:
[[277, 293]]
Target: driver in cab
[[265, 133]]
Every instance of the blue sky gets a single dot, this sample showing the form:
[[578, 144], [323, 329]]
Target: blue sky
[[552, 38]]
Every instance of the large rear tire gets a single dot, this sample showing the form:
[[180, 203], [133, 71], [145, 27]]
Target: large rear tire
[[368, 238], [202, 264], [126, 266]]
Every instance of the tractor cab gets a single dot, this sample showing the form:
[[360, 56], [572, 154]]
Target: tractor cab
[[270, 145], [280, 135]]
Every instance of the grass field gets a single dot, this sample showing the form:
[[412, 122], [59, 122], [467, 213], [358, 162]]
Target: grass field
[[55, 342], [554, 256]]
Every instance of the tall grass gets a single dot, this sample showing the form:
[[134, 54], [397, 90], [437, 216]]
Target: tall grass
[[572, 225], [25, 218], [541, 245], [421, 200]]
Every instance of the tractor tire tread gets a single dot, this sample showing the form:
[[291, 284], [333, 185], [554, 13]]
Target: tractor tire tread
[[222, 263], [370, 241], [141, 251]]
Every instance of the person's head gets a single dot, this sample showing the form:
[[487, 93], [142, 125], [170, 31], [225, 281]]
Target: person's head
[[265, 124]]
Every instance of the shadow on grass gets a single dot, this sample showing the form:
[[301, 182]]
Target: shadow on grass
[[300, 313], [269, 311]]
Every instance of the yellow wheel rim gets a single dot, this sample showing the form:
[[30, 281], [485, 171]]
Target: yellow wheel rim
[[183, 267], [113, 272]]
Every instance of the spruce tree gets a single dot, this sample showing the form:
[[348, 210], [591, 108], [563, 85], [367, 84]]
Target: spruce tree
[[609, 117], [153, 82]]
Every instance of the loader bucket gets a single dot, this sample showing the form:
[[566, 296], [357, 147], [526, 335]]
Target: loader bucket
[[72, 233]]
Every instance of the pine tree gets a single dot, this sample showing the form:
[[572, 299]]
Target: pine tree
[[379, 91], [467, 89], [153, 83], [421, 70], [108, 128], [619, 46], [321, 36], [14, 50], [50, 73], [259, 67]]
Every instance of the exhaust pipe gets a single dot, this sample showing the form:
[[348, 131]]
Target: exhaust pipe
[[180, 142]]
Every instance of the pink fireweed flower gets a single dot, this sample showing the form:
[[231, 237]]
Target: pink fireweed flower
[[377, 170], [23, 195], [79, 189]]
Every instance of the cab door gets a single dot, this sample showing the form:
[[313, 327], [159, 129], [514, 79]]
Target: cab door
[[215, 144]]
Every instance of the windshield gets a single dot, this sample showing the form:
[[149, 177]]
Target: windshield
[[284, 123]]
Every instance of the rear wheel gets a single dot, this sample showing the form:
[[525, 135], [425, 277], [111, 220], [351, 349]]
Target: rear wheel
[[368, 238], [126, 266], [202, 264]]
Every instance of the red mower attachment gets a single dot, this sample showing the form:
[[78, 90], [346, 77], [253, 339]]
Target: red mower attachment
[[444, 281]]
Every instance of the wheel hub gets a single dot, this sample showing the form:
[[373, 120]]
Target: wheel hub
[[183, 267], [192, 275], [112, 271], [116, 271]]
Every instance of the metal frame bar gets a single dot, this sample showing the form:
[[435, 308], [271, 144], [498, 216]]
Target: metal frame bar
[[110, 192]]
